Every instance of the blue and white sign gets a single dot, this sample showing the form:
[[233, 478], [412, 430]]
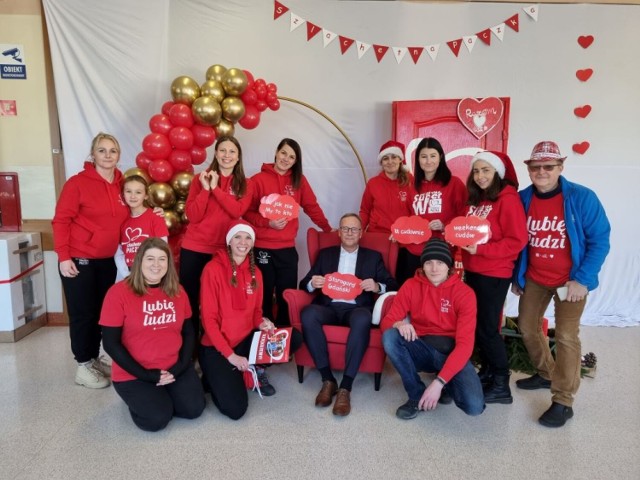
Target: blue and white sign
[[12, 64]]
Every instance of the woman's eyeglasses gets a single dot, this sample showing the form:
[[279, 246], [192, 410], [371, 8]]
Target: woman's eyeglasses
[[546, 168]]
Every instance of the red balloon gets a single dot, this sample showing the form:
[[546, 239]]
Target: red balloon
[[198, 155], [261, 91], [180, 160], [271, 96], [260, 83], [261, 105], [160, 123], [142, 161], [181, 116], [160, 170], [181, 138], [250, 78], [271, 87], [275, 105], [203, 135], [166, 106], [251, 117], [249, 97], [156, 146]]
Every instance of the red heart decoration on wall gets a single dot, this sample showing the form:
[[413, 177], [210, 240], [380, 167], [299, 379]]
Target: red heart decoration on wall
[[584, 75], [480, 116], [585, 41], [583, 111], [581, 148]]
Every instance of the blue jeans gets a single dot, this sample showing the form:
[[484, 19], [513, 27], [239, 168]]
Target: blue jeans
[[409, 358]]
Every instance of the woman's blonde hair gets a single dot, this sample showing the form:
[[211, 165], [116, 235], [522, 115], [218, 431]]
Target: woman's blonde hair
[[103, 136], [169, 283]]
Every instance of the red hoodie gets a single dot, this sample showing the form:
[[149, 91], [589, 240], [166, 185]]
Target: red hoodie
[[210, 212], [448, 309], [509, 236], [383, 201], [268, 181], [88, 216], [228, 313]]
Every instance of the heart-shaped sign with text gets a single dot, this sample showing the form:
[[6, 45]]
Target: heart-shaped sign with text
[[466, 231], [276, 206], [341, 286], [480, 116], [413, 229]]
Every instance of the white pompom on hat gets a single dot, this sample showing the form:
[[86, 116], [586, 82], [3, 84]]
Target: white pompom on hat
[[391, 148], [240, 226]]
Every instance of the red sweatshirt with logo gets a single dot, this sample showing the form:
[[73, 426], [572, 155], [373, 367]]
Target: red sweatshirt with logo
[[383, 201]]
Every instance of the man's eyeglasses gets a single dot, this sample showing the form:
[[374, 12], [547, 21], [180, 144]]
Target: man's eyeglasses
[[546, 168], [350, 229]]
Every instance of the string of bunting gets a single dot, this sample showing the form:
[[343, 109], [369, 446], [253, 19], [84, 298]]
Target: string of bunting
[[380, 51]]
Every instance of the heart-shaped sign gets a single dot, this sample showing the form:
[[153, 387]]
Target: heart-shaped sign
[[480, 116], [341, 286], [466, 231], [413, 229], [132, 234], [276, 206], [583, 111], [584, 75], [585, 41], [581, 148]]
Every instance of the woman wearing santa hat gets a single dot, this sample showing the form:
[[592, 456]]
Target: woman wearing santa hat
[[492, 186], [276, 253]]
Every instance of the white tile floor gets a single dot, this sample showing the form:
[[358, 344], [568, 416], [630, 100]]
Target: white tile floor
[[52, 429]]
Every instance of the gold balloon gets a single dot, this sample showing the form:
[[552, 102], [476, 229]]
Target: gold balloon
[[184, 218], [173, 222], [179, 208], [225, 128], [181, 183], [214, 89], [140, 172], [185, 90], [234, 81], [215, 72], [161, 195], [206, 110], [232, 109]]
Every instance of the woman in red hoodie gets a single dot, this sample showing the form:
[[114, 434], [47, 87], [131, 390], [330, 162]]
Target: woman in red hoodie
[[492, 186], [86, 232], [275, 239], [217, 196]]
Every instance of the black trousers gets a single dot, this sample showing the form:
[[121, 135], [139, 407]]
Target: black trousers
[[407, 265], [152, 407], [279, 269], [358, 319], [491, 293], [191, 266], [84, 295]]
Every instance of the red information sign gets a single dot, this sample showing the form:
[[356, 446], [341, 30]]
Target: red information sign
[[341, 286], [413, 229], [276, 206], [466, 231]]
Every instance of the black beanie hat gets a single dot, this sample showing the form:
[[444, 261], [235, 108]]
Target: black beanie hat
[[436, 249]]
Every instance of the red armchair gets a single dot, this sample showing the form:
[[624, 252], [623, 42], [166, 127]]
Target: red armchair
[[374, 357]]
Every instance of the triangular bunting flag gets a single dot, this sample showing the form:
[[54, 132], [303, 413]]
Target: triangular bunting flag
[[455, 45], [513, 22], [432, 50], [469, 42], [279, 9], [328, 37], [380, 51], [312, 30], [362, 48], [415, 53], [345, 43], [399, 53], [532, 11], [498, 31], [296, 21], [485, 36]]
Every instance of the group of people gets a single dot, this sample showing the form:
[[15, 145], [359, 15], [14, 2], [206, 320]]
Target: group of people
[[235, 265]]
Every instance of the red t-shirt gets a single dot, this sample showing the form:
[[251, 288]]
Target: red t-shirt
[[136, 230], [151, 326], [549, 248]]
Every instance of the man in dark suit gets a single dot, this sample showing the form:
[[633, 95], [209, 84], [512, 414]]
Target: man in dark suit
[[367, 265]]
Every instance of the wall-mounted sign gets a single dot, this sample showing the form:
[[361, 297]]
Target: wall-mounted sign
[[8, 108], [12, 63]]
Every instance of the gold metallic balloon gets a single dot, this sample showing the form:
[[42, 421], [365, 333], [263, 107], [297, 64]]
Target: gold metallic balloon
[[181, 183], [215, 72], [140, 172], [179, 207], [184, 218], [232, 109], [214, 89], [234, 81], [161, 195], [206, 110], [173, 222], [225, 128], [185, 90]]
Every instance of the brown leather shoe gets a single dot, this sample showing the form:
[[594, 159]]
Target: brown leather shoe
[[326, 394], [342, 407]]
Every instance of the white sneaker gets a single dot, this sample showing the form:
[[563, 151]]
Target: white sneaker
[[90, 377], [102, 364]]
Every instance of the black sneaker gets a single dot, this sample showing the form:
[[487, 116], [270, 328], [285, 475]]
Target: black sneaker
[[534, 382], [265, 387], [556, 416], [408, 410]]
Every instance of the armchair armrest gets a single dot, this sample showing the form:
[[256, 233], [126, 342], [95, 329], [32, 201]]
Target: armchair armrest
[[382, 305], [297, 300]]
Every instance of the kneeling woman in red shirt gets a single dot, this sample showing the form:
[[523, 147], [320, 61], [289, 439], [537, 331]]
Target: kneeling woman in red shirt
[[146, 332]]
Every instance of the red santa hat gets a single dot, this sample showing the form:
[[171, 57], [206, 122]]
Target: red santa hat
[[501, 162], [240, 226], [392, 148]]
